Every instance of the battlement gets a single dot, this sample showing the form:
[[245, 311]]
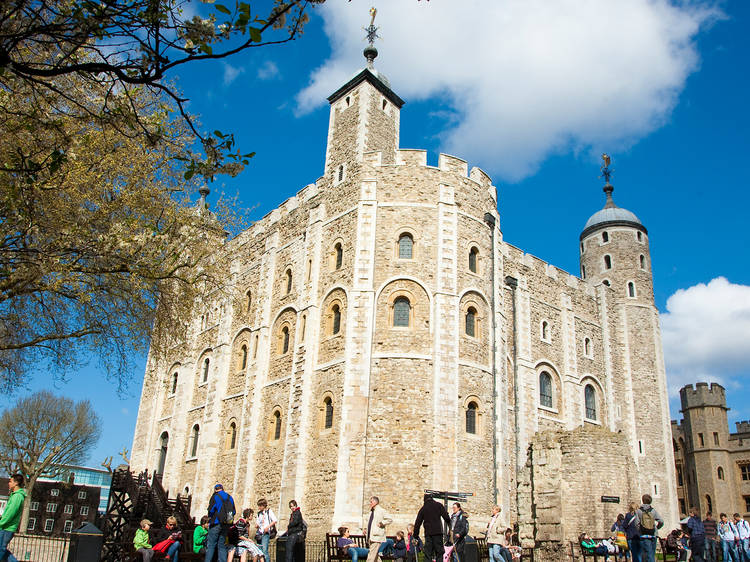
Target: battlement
[[742, 426], [702, 395]]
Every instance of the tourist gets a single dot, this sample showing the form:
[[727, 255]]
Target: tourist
[[376, 538], [399, 547], [347, 547], [245, 529], [513, 551], [11, 515], [712, 539], [620, 538], [495, 535], [140, 542], [649, 522], [697, 535], [220, 507], [413, 544], [632, 532], [676, 545], [432, 514], [459, 529], [169, 532], [266, 526], [294, 530], [590, 546], [199, 536], [743, 544], [728, 533]]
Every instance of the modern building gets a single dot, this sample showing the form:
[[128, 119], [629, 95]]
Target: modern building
[[87, 476], [383, 339], [712, 464]]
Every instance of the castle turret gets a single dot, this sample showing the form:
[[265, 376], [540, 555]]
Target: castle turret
[[615, 257]]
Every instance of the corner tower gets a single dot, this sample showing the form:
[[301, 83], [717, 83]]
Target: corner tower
[[615, 257]]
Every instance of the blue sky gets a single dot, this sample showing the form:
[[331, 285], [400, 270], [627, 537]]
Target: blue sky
[[532, 95]]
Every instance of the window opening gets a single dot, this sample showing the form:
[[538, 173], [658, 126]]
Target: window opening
[[206, 364], [471, 318], [545, 389], [174, 383], [605, 236], [473, 253], [607, 262], [288, 281], [716, 439], [285, 339], [405, 247], [590, 399], [587, 347], [341, 172], [339, 255], [631, 289], [401, 311], [545, 330], [328, 423], [336, 326], [642, 260], [471, 418], [232, 435], [720, 473], [277, 425], [194, 443], [243, 352]]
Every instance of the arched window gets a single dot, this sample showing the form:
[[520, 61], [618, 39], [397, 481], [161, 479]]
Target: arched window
[[405, 247], [720, 473], [385, 104], [545, 389], [709, 503], [336, 319], [328, 421], [206, 364], [639, 236], [473, 254], [163, 446], [631, 289], [471, 418], [583, 271], [303, 327], [587, 347], [545, 330], [341, 172], [174, 382], [401, 312], [606, 282], [243, 356], [232, 436], [339, 255], [607, 262], [642, 261], [284, 339], [605, 236], [471, 319], [255, 347], [590, 399], [276, 425], [194, 440], [288, 281], [248, 300]]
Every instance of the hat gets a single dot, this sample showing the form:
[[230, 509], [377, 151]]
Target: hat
[[218, 486]]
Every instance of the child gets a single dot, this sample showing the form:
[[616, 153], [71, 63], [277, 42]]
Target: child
[[199, 536], [413, 544], [513, 550], [140, 541], [399, 547], [245, 527], [347, 547], [590, 546]]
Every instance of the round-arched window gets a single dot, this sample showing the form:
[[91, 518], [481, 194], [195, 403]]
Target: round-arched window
[[405, 246], [401, 312], [471, 321], [545, 389], [590, 399], [471, 418]]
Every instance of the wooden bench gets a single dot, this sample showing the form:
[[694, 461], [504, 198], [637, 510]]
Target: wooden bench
[[666, 551], [576, 551], [333, 553], [483, 551]]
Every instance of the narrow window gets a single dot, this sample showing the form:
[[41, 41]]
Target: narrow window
[[545, 389], [471, 318], [720, 473], [288, 281], [232, 435], [473, 253], [700, 440], [339, 255], [545, 330], [174, 383], [607, 262], [194, 441], [590, 399], [709, 503], [255, 347], [308, 275], [583, 271], [341, 172], [303, 327], [679, 476], [243, 355], [581, 247], [716, 439], [631, 289], [206, 364], [328, 422], [248, 301], [284, 339], [401, 311], [605, 236], [471, 418], [277, 425], [348, 101], [656, 490], [405, 247], [336, 324], [385, 104], [587, 347], [642, 260], [640, 447], [639, 236]]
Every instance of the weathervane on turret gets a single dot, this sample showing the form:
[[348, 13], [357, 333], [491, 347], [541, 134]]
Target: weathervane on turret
[[370, 51], [606, 174]]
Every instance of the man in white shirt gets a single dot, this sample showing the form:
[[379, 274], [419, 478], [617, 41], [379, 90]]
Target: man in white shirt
[[727, 533], [743, 530], [266, 525]]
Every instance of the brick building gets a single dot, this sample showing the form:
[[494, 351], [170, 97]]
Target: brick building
[[384, 339], [712, 464]]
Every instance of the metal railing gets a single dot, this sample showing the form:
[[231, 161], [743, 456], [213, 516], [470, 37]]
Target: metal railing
[[40, 548]]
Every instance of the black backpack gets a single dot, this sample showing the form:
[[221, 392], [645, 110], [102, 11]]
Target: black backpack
[[226, 511]]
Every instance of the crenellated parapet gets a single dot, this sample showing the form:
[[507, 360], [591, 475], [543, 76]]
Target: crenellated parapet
[[703, 395]]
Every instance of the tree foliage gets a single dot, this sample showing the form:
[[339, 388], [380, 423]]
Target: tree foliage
[[125, 46], [43, 432]]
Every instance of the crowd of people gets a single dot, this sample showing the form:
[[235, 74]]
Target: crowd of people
[[635, 536]]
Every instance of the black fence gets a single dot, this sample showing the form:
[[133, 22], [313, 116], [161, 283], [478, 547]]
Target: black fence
[[40, 548]]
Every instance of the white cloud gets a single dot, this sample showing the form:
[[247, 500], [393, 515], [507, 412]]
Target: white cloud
[[268, 70], [231, 73], [528, 78], [706, 335]]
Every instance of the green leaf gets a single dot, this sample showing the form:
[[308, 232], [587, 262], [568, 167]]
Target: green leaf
[[189, 174], [223, 9], [255, 34]]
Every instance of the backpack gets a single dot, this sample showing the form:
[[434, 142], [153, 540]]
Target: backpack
[[303, 532], [648, 525], [226, 512]]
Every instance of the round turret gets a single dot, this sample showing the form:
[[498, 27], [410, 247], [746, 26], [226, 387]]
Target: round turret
[[614, 251]]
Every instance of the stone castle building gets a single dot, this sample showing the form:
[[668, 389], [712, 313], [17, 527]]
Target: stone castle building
[[384, 339], [712, 464]]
